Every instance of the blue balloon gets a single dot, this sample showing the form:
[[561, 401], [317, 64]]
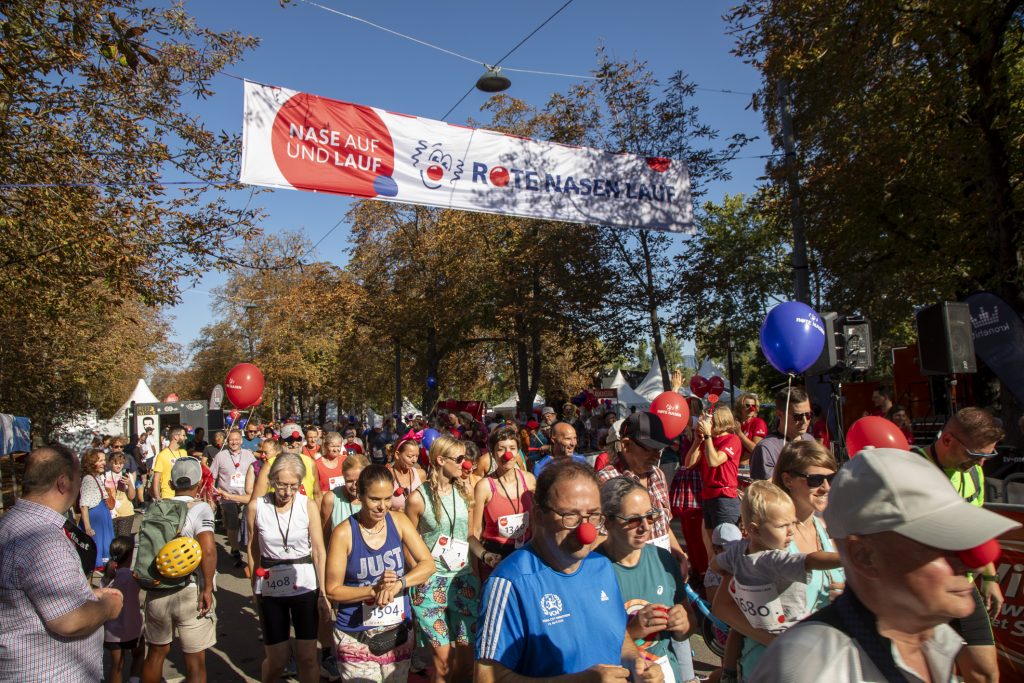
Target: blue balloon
[[792, 337], [429, 435], [431, 382]]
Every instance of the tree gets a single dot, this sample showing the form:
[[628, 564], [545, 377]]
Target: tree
[[907, 123], [621, 112], [90, 123]]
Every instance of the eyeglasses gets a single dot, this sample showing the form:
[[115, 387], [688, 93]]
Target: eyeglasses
[[117, 446], [250, 433], [801, 416], [286, 487], [571, 520], [458, 460], [633, 521], [972, 453], [749, 405], [815, 480]]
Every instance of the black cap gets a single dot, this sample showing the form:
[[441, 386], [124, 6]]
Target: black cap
[[645, 428]]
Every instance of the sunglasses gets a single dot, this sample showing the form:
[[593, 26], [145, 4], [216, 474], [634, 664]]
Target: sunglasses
[[458, 460], [633, 521], [972, 453], [815, 480], [801, 416]]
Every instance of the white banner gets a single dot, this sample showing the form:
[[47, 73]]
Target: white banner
[[299, 141]]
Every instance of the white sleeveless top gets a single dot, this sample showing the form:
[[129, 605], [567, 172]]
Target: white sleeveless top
[[285, 537]]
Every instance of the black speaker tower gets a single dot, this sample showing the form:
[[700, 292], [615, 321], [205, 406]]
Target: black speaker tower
[[945, 340]]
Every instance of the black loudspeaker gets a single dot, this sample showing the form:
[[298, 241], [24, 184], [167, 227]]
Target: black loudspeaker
[[829, 357], [857, 354], [945, 340]]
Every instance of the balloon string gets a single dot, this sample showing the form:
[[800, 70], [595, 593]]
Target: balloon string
[[785, 418]]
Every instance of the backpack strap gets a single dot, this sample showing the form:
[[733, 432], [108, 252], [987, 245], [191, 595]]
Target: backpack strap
[[848, 615]]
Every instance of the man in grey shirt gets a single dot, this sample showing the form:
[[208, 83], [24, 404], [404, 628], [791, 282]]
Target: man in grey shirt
[[902, 532], [228, 469], [792, 425]]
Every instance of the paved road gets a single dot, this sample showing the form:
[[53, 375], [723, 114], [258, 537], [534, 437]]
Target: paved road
[[239, 649]]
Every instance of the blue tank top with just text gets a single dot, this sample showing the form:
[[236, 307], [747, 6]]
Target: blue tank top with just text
[[365, 567]]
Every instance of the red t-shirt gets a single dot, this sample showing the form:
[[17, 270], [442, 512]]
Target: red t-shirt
[[721, 481], [820, 431], [755, 427], [353, 449], [325, 474]]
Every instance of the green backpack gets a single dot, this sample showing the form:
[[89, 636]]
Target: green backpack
[[162, 521]]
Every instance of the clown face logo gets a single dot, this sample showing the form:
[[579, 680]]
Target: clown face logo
[[436, 166]]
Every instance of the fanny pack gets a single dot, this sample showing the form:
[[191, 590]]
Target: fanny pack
[[380, 641]]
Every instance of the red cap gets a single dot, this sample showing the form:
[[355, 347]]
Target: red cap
[[532, 424]]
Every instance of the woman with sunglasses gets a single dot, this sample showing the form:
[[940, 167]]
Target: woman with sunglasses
[[652, 587], [446, 606], [752, 428], [804, 471], [286, 562]]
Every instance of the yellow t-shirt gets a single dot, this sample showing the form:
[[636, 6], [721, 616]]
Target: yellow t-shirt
[[308, 481], [163, 464]]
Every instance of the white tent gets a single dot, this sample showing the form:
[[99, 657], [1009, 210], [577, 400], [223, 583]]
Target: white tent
[[509, 405], [408, 408], [140, 394], [627, 397], [652, 385]]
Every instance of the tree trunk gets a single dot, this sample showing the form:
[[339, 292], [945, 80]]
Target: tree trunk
[[433, 361], [524, 393], [652, 312]]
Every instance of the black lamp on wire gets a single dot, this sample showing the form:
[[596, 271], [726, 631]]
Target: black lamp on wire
[[493, 80]]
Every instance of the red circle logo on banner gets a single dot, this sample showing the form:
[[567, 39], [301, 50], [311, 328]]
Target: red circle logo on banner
[[333, 147]]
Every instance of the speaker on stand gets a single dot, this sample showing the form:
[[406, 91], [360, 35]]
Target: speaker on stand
[[945, 343]]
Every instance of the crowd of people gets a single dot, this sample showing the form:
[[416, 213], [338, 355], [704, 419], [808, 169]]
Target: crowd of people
[[493, 549]]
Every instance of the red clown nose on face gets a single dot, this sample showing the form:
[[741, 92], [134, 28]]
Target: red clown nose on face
[[586, 533], [989, 551], [507, 456], [467, 465]]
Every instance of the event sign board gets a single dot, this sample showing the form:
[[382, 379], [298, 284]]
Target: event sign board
[[301, 141], [1008, 626]]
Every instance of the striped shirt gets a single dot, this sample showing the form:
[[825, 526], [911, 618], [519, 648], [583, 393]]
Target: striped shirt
[[41, 580]]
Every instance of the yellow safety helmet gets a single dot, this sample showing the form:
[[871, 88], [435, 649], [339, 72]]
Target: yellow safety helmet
[[179, 557]]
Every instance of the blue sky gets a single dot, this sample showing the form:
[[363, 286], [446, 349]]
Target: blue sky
[[307, 48]]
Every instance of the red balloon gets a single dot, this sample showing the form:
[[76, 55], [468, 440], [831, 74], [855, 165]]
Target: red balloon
[[234, 415], [699, 386], [586, 533], [874, 431], [716, 385], [171, 398], [244, 385], [673, 411], [989, 551]]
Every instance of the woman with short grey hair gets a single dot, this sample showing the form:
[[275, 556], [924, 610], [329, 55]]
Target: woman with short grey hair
[[652, 588], [287, 558]]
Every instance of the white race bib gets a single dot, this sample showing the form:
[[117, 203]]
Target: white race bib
[[237, 480], [661, 542], [384, 615], [452, 551], [666, 668], [513, 526], [761, 606], [335, 482], [288, 579]]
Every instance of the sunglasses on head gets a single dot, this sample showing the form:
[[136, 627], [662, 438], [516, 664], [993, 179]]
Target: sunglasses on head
[[815, 480]]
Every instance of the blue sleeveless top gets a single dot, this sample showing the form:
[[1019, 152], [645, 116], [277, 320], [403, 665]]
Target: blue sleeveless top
[[365, 567]]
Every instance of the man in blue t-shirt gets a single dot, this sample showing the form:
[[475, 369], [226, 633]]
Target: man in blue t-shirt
[[554, 608], [251, 437], [563, 445]]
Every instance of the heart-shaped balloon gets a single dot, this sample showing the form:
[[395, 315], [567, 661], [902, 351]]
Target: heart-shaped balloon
[[699, 386]]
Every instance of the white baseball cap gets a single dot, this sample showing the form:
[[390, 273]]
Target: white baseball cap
[[886, 489]]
